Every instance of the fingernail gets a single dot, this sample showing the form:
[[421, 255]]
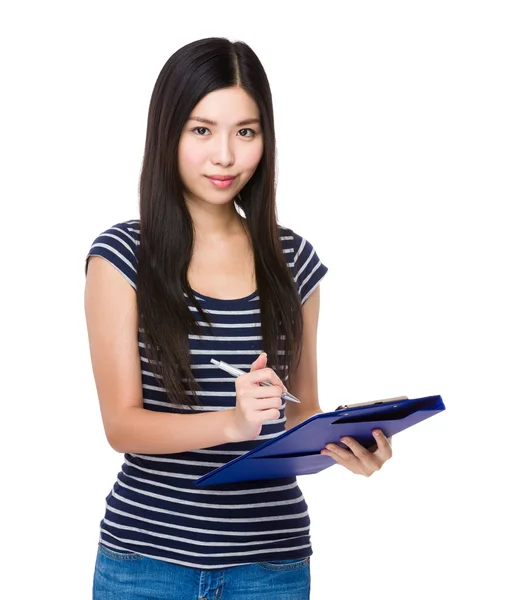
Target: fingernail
[[377, 432]]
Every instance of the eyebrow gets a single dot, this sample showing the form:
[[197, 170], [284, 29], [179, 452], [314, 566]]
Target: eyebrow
[[213, 123]]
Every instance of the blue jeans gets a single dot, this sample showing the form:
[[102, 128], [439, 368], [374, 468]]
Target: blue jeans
[[128, 576]]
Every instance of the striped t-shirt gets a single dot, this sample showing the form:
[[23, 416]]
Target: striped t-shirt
[[154, 507]]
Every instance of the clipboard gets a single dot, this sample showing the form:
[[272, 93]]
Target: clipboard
[[297, 451]]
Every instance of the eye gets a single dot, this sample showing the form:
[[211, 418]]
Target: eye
[[247, 132], [200, 131]]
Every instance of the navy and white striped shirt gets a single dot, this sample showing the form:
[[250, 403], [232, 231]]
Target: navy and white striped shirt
[[154, 508]]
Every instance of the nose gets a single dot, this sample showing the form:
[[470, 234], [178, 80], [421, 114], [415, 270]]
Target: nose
[[222, 152]]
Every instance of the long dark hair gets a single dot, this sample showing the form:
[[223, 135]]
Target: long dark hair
[[166, 229]]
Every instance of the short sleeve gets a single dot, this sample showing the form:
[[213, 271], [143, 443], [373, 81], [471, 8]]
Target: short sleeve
[[308, 268], [119, 246]]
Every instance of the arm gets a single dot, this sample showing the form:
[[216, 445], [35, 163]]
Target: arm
[[305, 377], [112, 323], [356, 458]]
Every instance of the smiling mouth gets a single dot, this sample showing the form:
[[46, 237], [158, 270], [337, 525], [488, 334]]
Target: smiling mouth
[[221, 177], [221, 182]]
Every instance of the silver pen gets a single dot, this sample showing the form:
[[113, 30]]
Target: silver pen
[[237, 372]]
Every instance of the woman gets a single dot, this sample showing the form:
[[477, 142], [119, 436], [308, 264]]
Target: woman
[[206, 272]]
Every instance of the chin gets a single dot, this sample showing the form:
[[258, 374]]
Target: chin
[[217, 198]]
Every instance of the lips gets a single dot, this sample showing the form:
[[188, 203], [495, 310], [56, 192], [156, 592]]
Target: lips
[[221, 182]]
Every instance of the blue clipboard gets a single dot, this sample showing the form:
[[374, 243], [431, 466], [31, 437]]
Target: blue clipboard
[[297, 451]]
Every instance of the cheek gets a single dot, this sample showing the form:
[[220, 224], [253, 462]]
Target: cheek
[[253, 156], [189, 158]]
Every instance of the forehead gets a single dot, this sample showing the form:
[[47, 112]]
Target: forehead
[[228, 105]]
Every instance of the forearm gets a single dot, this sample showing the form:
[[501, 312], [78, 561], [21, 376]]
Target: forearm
[[143, 431], [297, 417]]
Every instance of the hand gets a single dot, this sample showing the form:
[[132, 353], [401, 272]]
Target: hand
[[358, 459], [256, 404]]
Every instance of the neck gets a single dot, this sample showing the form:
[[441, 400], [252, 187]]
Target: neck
[[213, 222]]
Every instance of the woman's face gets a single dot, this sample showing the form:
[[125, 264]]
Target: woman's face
[[220, 146]]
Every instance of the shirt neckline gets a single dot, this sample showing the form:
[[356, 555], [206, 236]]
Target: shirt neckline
[[223, 300]]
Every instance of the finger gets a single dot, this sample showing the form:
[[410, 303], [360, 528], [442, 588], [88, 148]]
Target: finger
[[266, 374], [369, 460], [343, 457], [384, 444], [337, 452], [271, 414], [259, 363], [353, 463], [262, 416], [267, 391], [266, 403]]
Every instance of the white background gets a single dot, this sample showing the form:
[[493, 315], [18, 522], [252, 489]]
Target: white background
[[393, 137]]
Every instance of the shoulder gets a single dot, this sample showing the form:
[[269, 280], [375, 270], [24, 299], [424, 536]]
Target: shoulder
[[125, 231], [303, 261], [119, 246], [298, 248]]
